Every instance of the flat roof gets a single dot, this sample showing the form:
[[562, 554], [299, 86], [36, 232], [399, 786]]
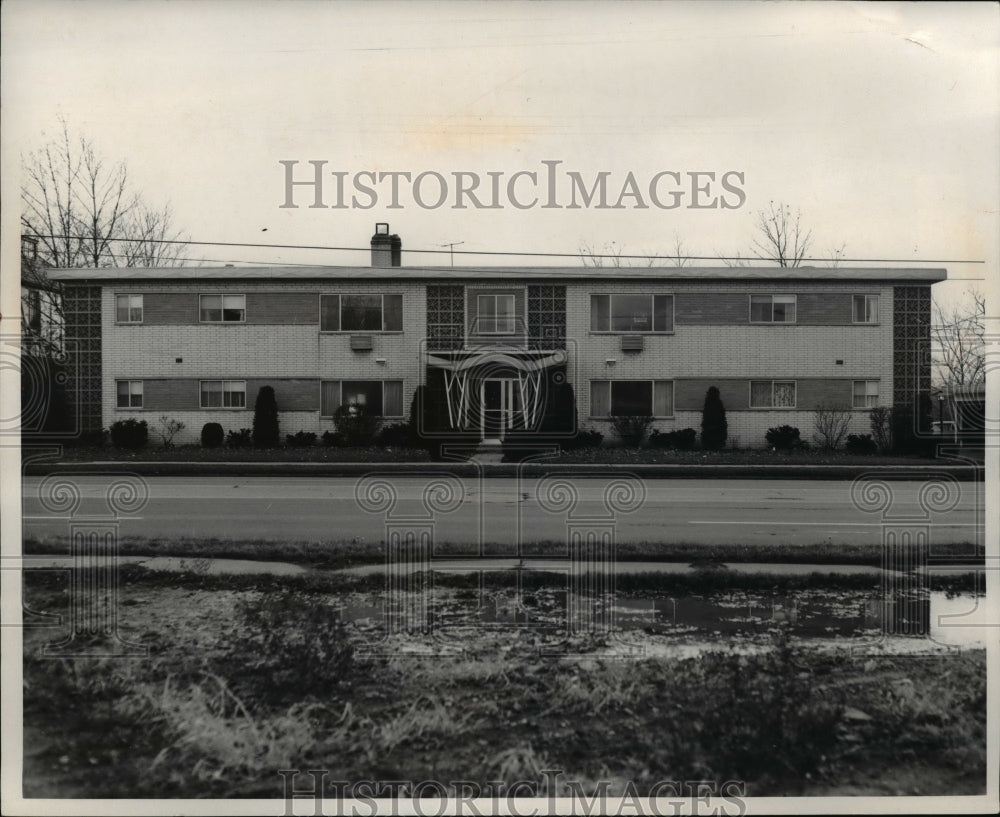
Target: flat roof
[[466, 273]]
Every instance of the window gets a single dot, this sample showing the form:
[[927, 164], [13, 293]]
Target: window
[[223, 308], [772, 309], [631, 398], [496, 315], [223, 393], [361, 313], [128, 309], [866, 308], [865, 393], [631, 313], [129, 393], [772, 394], [383, 398]]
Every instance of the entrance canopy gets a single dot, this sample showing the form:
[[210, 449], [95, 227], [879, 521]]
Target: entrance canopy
[[460, 371], [481, 357]]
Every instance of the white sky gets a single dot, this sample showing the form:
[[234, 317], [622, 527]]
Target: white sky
[[880, 121]]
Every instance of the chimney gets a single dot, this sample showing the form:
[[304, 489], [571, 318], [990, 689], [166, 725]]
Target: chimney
[[387, 250]]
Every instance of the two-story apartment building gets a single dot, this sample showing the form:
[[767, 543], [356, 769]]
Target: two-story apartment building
[[197, 343]]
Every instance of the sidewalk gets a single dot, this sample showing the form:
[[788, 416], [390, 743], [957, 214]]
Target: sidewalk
[[243, 567]]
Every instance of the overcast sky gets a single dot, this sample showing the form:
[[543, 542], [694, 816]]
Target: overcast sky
[[879, 121]]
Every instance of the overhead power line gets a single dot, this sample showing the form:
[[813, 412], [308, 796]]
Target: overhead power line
[[498, 253]]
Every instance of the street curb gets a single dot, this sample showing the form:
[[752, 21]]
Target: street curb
[[964, 473]]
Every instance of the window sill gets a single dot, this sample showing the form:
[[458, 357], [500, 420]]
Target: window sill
[[129, 323], [361, 331], [774, 408], [655, 417], [620, 334], [397, 418]]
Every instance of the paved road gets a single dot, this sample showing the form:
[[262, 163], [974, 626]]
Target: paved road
[[498, 510]]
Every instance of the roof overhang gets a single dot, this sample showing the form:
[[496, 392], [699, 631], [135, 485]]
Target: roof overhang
[[319, 274]]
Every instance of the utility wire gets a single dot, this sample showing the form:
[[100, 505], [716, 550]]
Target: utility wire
[[531, 254]]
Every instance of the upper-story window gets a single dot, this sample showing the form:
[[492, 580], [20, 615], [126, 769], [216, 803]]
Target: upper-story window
[[772, 309], [866, 309], [128, 308], [223, 308], [632, 313], [361, 313], [495, 315]]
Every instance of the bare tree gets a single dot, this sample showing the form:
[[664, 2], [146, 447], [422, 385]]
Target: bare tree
[[837, 255], [958, 342], [615, 256], [84, 212], [678, 257], [781, 237], [733, 260], [612, 255], [832, 423], [150, 240]]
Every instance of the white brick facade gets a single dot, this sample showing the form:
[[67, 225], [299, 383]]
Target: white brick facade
[[827, 348]]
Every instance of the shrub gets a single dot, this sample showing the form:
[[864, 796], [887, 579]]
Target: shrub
[[301, 439], [131, 434], [266, 433], [861, 444], [169, 429], [631, 428], [398, 435], [97, 438], [292, 646], [586, 438], [683, 439], [240, 439], [881, 427], [910, 428], [555, 429], [356, 425], [714, 427], [784, 438], [831, 426], [212, 435], [333, 439]]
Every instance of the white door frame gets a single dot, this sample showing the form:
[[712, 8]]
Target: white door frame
[[506, 404]]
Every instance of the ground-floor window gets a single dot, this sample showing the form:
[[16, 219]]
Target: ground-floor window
[[772, 394], [223, 394], [129, 393], [383, 398], [654, 398], [865, 393]]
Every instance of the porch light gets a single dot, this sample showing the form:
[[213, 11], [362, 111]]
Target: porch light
[[610, 361]]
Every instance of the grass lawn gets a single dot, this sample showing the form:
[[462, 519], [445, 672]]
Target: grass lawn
[[340, 553], [250, 675], [603, 455]]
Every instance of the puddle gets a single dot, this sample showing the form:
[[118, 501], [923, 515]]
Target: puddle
[[959, 620]]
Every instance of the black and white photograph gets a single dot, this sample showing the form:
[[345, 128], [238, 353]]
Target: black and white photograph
[[499, 408]]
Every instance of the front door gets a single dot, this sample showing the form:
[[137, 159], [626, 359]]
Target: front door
[[498, 401]]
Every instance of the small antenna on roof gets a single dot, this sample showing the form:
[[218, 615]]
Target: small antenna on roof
[[451, 249]]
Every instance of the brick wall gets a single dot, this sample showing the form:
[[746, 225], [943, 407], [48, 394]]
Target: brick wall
[[713, 344], [291, 357]]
